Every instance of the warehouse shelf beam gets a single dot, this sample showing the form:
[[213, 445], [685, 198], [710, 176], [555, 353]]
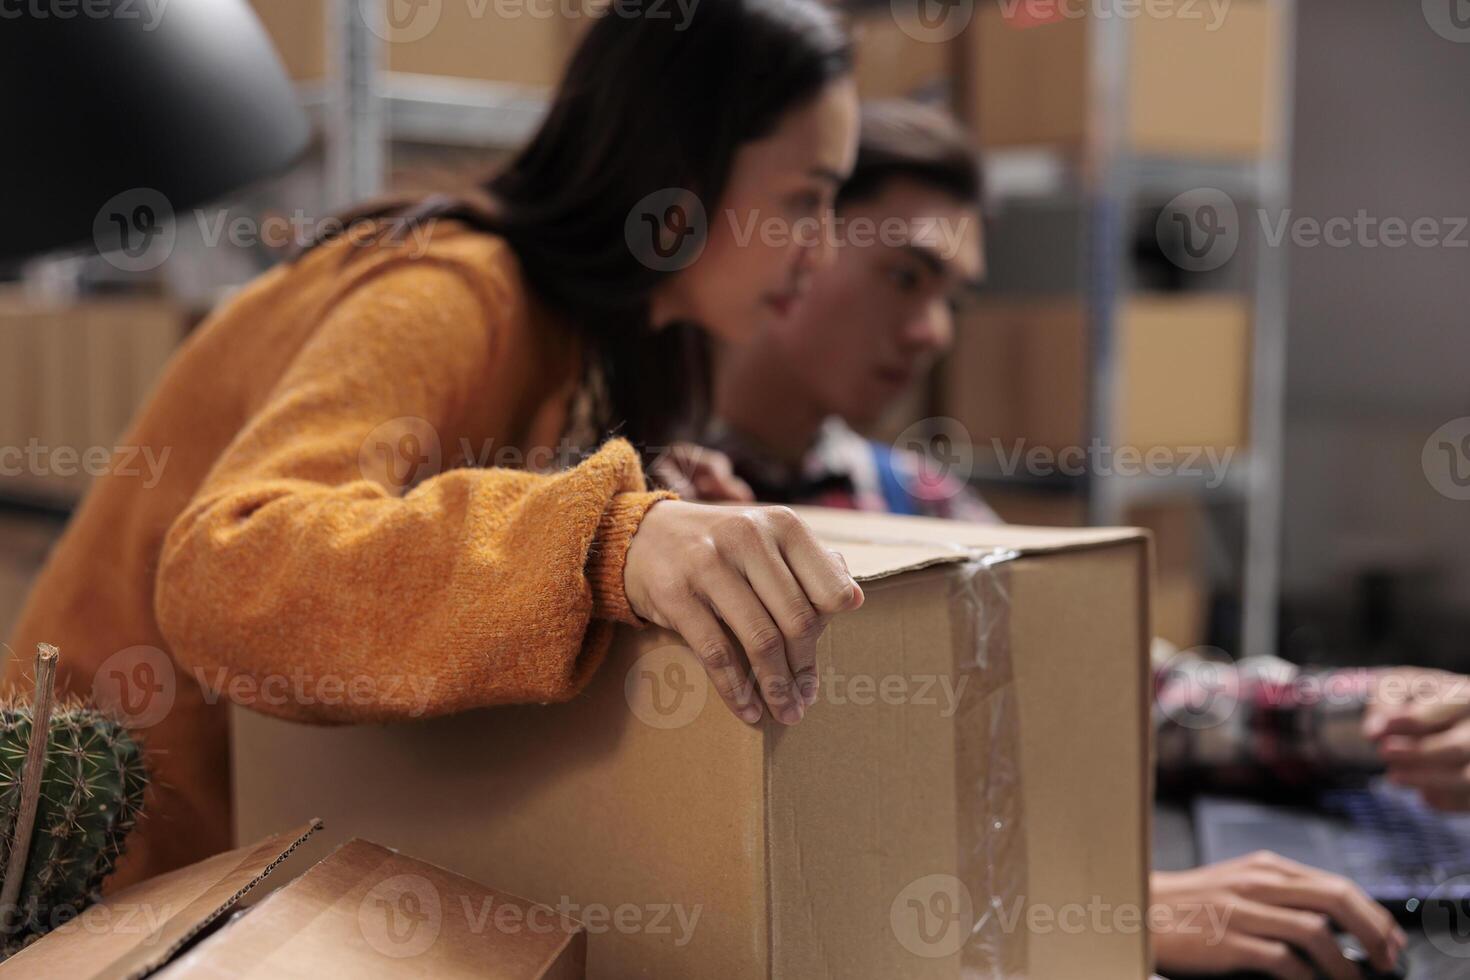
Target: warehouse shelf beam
[[1042, 173]]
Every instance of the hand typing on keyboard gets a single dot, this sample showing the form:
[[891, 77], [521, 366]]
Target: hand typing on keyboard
[[1268, 915]]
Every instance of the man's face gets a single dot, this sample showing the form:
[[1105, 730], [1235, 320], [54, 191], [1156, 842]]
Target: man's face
[[877, 317]]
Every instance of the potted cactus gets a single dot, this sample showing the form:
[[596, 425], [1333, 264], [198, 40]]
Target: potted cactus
[[72, 780]]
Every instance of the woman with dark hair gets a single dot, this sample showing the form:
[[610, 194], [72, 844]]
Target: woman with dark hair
[[326, 542]]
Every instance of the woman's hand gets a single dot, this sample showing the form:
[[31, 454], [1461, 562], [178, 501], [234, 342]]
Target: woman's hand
[[758, 573], [1265, 914]]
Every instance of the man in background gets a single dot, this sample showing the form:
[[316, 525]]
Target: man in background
[[788, 404]]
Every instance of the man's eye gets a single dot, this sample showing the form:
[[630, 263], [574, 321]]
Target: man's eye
[[906, 279], [806, 202]]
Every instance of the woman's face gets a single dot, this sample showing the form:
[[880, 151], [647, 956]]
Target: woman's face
[[773, 226]]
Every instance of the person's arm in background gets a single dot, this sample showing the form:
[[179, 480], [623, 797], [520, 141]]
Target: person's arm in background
[[1264, 724], [1258, 724]]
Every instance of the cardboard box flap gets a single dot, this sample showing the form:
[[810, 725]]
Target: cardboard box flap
[[367, 911], [139, 929], [876, 549]]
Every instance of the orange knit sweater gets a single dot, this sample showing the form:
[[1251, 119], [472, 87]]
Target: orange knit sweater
[[295, 558]]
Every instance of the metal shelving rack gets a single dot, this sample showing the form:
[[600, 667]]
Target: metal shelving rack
[[362, 109], [1110, 183]]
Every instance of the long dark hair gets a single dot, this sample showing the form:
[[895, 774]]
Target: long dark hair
[[647, 103]]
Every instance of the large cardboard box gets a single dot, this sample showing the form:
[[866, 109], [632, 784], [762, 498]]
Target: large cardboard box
[[973, 780], [1017, 380], [1201, 79]]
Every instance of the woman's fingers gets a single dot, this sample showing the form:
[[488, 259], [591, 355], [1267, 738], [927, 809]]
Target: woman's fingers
[[823, 574], [722, 659], [760, 571], [800, 623], [732, 597]]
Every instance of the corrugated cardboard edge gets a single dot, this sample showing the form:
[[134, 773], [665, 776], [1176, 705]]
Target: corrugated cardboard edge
[[906, 544], [158, 947], [202, 958], [139, 965], [1145, 541]]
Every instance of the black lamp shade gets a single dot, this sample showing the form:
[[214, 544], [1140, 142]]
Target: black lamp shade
[[133, 106]]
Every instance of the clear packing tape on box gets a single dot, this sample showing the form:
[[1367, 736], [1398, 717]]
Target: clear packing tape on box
[[992, 844], [977, 911]]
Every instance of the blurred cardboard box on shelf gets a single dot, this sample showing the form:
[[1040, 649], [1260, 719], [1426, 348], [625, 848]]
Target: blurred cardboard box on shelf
[[892, 58], [1200, 79], [978, 755], [1184, 372], [1018, 372], [525, 43], [1036, 508], [71, 376], [298, 29], [1178, 527], [519, 43], [1017, 380], [363, 912]]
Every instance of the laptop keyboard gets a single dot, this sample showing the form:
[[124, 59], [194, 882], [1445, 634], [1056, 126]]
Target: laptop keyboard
[[1396, 847]]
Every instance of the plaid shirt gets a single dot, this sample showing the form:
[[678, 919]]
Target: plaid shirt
[[1259, 724], [1256, 725], [842, 469]]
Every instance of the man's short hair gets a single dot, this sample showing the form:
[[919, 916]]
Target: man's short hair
[[902, 139]]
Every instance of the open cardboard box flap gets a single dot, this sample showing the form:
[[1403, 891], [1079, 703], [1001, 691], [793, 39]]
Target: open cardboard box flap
[[367, 911], [139, 929]]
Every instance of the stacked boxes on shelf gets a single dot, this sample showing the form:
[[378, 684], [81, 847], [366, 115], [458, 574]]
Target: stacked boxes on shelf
[[71, 377]]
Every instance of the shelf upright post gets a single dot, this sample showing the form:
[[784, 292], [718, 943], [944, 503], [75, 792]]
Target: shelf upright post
[[1106, 191], [356, 117], [1262, 567]]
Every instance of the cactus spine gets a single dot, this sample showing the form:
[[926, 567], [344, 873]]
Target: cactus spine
[[61, 835]]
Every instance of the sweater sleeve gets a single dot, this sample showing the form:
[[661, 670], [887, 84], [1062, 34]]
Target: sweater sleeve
[[328, 569]]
